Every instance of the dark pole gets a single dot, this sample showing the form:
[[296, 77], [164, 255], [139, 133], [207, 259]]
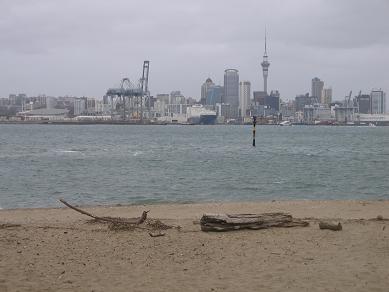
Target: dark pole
[[254, 123]]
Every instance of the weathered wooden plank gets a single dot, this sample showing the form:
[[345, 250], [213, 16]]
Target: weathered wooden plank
[[228, 222], [330, 226]]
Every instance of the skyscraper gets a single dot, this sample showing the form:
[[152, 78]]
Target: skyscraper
[[214, 95], [272, 101], [231, 90], [363, 102], [265, 67], [377, 102], [317, 88], [326, 96], [204, 90], [244, 97]]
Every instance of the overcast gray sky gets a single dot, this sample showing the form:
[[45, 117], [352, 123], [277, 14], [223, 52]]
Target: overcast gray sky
[[82, 47]]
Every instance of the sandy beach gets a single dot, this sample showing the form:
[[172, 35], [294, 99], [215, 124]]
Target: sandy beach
[[59, 250]]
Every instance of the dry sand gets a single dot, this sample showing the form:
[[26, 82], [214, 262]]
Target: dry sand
[[57, 250]]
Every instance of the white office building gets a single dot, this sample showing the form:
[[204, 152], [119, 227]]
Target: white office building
[[377, 102], [244, 97]]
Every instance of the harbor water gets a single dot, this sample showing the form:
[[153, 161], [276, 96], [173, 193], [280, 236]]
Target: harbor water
[[112, 164]]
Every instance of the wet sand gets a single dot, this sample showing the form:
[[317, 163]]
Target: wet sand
[[58, 250]]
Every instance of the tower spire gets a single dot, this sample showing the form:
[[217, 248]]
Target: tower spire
[[265, 42], [265, 65]]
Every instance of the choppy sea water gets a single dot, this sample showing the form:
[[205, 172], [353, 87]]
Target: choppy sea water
[[108, 164]]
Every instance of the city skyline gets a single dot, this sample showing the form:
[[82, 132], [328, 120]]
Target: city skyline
[[346, 54]]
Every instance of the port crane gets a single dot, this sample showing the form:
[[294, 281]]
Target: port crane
[[131, 96]]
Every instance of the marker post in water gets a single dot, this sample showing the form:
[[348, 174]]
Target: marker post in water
[[254, 123]]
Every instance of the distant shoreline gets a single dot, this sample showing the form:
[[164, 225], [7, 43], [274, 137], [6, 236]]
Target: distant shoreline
[[127, 123]]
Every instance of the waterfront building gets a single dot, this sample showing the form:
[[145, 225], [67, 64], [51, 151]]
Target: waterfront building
[[244, 97], [204, 90], [377, 119], [177, 98], [264, 104], [377, 102], [272, 101], [345, 113], [317, 113], [80, 106], [258, 107], [99, 107], [231, 91], [259, 97], [106, 99], [167, 105], [17, 99], [44, 114], [90, 105], [301, 101], [12, 99], [326, 96], [42, 100], [214, 95], [363, 102], [191, 101], [223, 110], [160, 104], [50, 102], [317, 89], [299, 117], [287, 110], [4, 101]]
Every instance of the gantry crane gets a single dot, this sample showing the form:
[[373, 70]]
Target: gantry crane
[[131, 96]]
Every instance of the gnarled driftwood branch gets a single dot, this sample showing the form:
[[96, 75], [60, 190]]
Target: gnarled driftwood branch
[[118, 220]]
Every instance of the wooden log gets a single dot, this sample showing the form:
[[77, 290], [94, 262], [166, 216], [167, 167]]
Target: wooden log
[[330, 226], [156, 234], [9, 225], [228, 222]]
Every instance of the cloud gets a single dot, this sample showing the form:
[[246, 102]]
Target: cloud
[[90, 44]]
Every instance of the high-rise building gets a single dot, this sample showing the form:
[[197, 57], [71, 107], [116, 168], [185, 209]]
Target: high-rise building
[[80, 106], [265, 67], [317, 89], [301, 101], [162, 101], [17, 99], [244, 97], [377, 102], [363, 102], [204, 90], [259, 97], [4, 101], [326, 96], [12, 99], [214, 95], [272, 101], [231, 90], [177, 98]]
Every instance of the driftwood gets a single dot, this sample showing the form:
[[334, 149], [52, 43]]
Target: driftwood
[[156, 234], [227, 222], [114, 220], [330, 226], [121, 224], [9, 225]]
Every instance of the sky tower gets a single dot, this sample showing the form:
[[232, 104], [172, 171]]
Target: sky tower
[[265, 68]]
